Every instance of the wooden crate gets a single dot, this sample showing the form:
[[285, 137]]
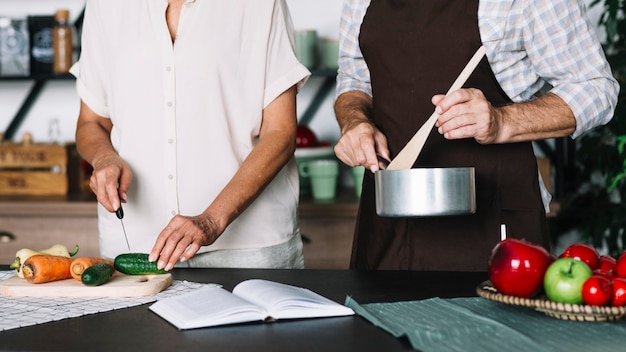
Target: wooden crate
[[33, 169]]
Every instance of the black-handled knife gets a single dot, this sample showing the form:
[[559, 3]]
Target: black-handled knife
[[120, 215]]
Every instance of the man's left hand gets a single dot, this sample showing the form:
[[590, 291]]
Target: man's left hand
[[466, 113]]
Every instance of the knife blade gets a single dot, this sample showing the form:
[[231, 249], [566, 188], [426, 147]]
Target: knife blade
[[120, 215]]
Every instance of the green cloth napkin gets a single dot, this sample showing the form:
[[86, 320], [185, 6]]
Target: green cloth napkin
[[477, 324]]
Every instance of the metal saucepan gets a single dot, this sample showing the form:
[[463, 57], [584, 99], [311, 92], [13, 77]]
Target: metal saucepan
[[405, 192], [425, 192]]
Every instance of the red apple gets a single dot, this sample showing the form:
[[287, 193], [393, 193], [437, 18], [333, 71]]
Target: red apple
[[584, 253], [516, 267], [607, 266], [305, 138], [620, 266], [619, 292], [598, 290]]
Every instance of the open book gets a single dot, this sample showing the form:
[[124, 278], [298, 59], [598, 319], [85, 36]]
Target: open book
[[251, 300]]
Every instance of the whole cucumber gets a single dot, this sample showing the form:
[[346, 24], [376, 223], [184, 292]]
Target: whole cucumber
[[136, 264], [97, 274]]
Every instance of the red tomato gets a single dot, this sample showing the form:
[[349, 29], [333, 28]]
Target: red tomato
[[584, 253], [620, 266], [597, 290], [619, 291]]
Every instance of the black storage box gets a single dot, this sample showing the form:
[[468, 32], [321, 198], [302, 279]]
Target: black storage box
[[41, 49]]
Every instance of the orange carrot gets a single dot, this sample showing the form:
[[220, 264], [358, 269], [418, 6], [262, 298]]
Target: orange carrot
[[42, 268], [80, 264]]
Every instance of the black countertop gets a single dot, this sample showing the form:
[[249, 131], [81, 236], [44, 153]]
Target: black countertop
[[138, 329]]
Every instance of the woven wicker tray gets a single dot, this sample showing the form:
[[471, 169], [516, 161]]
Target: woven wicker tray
[[565, 311]]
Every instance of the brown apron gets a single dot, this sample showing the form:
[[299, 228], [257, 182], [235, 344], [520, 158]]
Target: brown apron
[[415, 49]]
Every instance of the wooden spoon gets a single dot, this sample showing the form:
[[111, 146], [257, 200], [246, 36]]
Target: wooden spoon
[[407, 156]]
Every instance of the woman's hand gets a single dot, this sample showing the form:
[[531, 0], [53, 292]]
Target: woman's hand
[[110, 181], [182, 238], [111, 176]]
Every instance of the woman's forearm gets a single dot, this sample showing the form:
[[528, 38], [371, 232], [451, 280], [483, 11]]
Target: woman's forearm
[[276, 146], [92, 135]]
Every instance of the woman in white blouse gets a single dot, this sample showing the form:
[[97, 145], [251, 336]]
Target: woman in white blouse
[[188, 117]]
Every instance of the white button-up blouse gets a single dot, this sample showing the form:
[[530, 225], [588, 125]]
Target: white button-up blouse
[[186, 114]]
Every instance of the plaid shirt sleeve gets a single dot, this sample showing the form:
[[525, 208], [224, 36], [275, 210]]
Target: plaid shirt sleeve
[[531, 43], [574, 63], [353, 73]]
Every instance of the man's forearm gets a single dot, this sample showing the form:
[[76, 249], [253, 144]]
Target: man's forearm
[[545, 117], [352, 108]]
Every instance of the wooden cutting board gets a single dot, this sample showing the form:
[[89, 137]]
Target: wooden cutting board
[[120, 285]]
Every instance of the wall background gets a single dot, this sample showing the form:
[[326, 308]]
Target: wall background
[[60, 102]]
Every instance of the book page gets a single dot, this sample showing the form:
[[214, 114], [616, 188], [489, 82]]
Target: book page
[[288, 302], [207, 306]]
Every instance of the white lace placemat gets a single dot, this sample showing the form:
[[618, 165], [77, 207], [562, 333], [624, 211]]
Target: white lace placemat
[[17, 312]]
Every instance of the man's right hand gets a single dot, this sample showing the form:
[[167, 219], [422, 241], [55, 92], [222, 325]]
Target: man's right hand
[[361, 145], [361, 142]]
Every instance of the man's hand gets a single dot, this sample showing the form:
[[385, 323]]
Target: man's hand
[[466, 113], [361, 141], [361, 145]]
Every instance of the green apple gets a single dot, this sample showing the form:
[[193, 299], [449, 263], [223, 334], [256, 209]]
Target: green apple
[[564, 279]]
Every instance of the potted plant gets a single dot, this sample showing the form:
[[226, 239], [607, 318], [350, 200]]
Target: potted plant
[[595, 182]]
